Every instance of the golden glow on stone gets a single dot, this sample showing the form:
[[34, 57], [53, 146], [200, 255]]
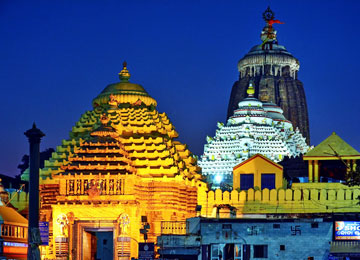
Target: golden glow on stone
[[121, 158]]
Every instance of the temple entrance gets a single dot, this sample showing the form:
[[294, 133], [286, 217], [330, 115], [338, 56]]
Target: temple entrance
[[97, 245]]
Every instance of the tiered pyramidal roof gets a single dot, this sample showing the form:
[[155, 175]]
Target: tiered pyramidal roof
[[255, 128], [122, 134]]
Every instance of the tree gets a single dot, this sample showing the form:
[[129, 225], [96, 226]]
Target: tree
[[352, 177], [44, 155]]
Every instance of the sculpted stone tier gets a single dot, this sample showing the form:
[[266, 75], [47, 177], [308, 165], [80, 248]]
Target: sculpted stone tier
[[274, 73], [120, 171], [255, 128]]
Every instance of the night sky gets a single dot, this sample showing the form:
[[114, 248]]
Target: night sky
[[56, 56]]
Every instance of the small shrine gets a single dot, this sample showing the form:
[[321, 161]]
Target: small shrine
[[331, 160], [258, 172]]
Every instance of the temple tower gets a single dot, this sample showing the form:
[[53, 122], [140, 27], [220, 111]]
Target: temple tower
[[274, 73], [121, 165]]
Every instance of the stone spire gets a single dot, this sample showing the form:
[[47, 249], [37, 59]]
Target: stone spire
[[273, 72]]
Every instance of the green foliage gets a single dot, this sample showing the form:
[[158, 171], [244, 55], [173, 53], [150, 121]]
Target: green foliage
[[44, 155], [353, 177], [285, 184], [225, 187]]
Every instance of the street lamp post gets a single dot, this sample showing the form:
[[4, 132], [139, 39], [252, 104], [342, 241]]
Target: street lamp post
[[34, 135]]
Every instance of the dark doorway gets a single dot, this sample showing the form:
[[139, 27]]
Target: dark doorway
[[98, 245], [229, 252]]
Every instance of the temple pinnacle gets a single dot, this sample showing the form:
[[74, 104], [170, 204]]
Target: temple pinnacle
[[250, 91], [268, 14], [124, 74]]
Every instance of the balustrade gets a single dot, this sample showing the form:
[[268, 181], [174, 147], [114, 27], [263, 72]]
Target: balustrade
[[13, 231], [173, 227], [96, 184]]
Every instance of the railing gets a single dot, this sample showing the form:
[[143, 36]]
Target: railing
[[299, 200], [98, 186], [345, 246], [173, 227], [13, 231]]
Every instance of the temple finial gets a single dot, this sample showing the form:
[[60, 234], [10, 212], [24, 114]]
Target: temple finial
[[268, 14], [250, 91], [124, 74], [268, 34]]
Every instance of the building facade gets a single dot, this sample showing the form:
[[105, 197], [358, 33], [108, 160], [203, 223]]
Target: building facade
[[245, 239]]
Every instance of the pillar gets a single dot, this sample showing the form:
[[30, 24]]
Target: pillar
[[354, 165], [310, 171], [71, 251], [123, 246], [348, 166], [316, 171], [34, 135], [62, 248]]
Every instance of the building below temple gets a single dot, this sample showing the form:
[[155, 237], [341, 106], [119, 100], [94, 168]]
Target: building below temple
[[255, 128]]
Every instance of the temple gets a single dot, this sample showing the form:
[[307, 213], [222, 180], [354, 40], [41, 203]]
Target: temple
[[255, 128], [118, 179], [122, 178], [274, 72]]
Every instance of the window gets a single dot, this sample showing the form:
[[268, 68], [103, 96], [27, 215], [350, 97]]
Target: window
[[246, 181], [215, 252], [260, 251], [237, 252], [226, 226], [314, 225], [268, 181]]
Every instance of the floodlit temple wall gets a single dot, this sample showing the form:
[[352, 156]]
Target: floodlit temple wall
[[301, 200]]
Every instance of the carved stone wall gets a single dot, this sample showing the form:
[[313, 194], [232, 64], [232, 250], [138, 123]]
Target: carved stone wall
[[285, 91]]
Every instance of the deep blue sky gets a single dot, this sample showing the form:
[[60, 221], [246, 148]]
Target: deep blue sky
[[56, 56]]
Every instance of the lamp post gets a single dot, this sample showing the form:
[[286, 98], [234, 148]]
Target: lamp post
[[34, 135]]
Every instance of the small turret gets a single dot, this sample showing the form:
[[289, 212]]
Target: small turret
[[250, 91], [124, 74]]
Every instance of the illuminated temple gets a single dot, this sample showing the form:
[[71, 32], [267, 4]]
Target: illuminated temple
[[120, 174], [255, 128], [274, 73]]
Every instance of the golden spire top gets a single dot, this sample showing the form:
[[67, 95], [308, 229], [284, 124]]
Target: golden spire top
[[124, 74], [250, 91]]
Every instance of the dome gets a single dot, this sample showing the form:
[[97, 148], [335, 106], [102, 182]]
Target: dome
[[250, 110], [269, 52], [250, 102], [124, 88], [276, 49], [124, 92], [278, 55]]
